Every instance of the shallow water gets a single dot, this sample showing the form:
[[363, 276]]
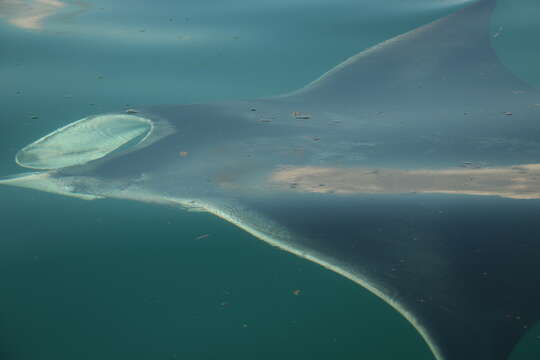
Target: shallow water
[[112, 279]]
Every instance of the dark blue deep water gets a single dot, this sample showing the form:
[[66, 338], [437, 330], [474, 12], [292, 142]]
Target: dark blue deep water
[[114, 279]]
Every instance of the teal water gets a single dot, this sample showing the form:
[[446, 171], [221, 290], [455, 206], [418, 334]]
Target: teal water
[[113, 279]]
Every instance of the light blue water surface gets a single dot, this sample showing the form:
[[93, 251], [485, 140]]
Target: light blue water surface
[[118, 280]]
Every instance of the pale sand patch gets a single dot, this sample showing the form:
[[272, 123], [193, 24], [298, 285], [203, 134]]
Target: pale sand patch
[[517, 182], [29, 14]]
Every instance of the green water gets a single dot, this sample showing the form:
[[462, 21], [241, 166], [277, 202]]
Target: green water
[[119, 280]]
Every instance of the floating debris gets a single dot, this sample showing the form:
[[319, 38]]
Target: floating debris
[[100, 77], [473, 165], [316, 138], [131, 111], [183, 153], [300, 116], [34, 117], [498, 33], [296, 292], [253, 109], [265, 120], [244, 325], [507, 113], [203, 236]]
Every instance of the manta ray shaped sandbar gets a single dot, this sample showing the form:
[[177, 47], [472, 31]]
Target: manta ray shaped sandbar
[[412, 169]]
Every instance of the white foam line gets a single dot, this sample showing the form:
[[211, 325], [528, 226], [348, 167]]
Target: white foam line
[[43, 181], [360, 280]]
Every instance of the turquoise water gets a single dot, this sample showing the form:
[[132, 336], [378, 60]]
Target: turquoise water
[[113, 279]]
